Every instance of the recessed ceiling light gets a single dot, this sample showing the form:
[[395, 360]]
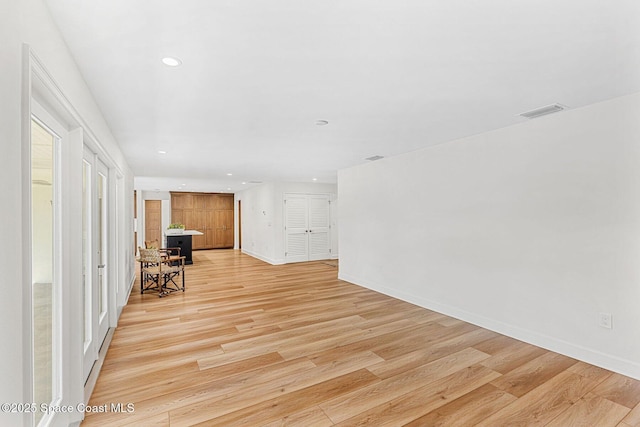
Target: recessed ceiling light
[[229, 188], [229, 174], [322, 122], [162, 152], [243, 183], [171, 61], [314, 179]]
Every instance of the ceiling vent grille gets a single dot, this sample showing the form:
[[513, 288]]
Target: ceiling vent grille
[[543, 111], [372, 158]]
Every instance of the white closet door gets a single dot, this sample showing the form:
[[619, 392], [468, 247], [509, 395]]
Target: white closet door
[[296, 228], [319, 227], [307, 227]]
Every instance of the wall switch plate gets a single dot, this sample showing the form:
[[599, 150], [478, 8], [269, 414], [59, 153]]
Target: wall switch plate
[[606, 320]]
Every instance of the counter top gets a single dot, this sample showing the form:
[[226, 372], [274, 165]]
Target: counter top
[[187, 233]]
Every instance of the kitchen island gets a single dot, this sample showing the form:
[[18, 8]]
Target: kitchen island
[[184, 242]]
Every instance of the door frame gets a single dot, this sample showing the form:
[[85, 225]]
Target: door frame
[[41, 98], [48, 122], [239, 234]]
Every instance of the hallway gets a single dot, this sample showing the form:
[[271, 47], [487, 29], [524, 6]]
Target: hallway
[[259, 345]]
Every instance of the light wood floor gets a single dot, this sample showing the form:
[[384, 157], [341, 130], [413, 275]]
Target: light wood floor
[[259, 345]]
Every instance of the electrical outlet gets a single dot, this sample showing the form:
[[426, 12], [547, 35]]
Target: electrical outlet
[[606, 320]]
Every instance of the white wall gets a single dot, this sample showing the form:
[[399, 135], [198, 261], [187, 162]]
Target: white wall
[[125, 257], [11, 304], [531, 230], [263, 218], [28, 22], [258, 214]]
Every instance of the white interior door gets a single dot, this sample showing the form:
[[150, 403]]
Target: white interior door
[[90, 352], [319, 227], [102, 251], [95, 233], [307, 227], [296, 228]]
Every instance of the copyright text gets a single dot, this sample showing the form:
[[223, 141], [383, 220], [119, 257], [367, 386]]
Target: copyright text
[[47, 408]]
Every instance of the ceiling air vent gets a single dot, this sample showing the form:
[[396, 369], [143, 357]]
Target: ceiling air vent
[[372, 158], [543, 111]]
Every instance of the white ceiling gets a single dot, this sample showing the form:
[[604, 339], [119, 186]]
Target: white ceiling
[[390, 76]]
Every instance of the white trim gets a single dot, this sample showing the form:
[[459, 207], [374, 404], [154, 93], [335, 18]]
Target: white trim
[[262, 258], [132, 281], [38, 84], [114, 240], [65, 324], [97, 366], [72, 270], [622, 366], [59, 315], [27, 294], [58, 95]]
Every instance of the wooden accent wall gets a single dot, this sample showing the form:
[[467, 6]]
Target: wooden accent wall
[[209, 213]]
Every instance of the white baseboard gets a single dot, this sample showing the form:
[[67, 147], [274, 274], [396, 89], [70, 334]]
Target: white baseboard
[[592, 356], [132, 281], [262, 258], [97, 366]]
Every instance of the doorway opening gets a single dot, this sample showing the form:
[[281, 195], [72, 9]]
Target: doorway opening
[[239, 224]]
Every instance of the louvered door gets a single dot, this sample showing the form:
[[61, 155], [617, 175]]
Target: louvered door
[[296, 228], [307, 227], [319, 227]]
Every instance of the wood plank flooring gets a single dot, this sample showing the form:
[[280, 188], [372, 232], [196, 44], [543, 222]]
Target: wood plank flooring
[[258, 345]]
